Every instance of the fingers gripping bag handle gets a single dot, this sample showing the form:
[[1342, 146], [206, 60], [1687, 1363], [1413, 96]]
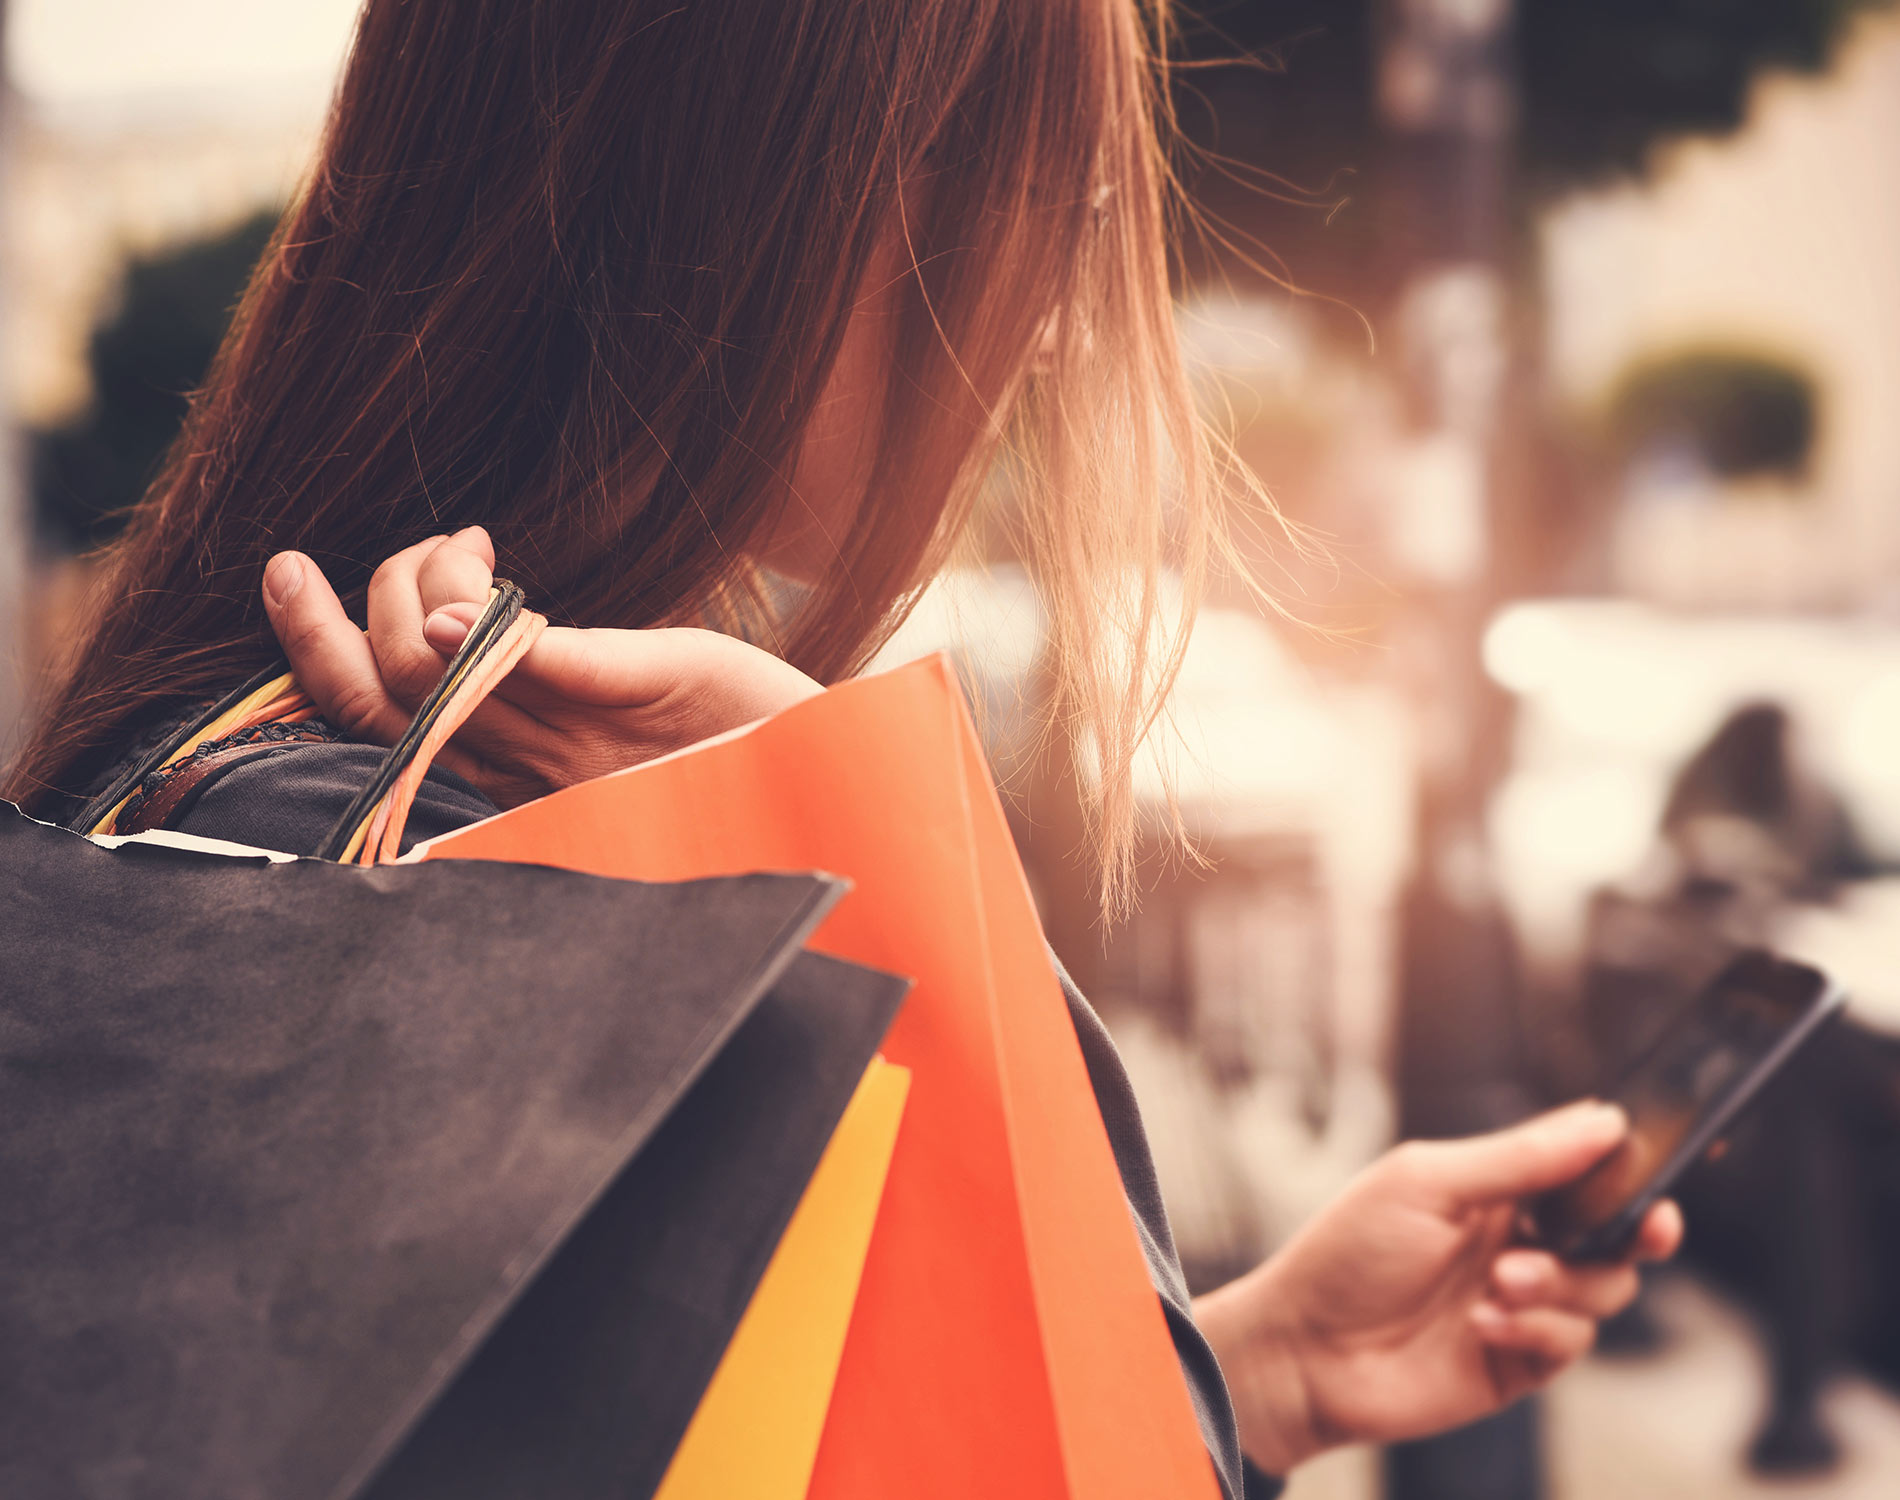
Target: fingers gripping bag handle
[[371, 828]]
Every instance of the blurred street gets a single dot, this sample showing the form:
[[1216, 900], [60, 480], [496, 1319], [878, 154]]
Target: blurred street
[[1669, 1426]]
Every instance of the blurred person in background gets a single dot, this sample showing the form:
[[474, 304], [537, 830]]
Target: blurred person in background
[[713, 328]]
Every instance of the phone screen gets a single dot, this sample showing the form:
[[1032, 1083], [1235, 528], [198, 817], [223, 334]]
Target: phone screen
[[1711, 1057]]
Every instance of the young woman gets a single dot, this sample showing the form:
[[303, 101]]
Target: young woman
[[714, 324]]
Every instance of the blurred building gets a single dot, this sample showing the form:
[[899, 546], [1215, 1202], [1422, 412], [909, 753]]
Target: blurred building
[[1783, 241]]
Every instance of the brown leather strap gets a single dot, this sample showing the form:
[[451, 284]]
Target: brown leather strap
[[158, 808], [180, 782]]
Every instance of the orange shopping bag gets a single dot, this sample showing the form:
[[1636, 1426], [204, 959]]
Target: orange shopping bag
[[1006, 1340]]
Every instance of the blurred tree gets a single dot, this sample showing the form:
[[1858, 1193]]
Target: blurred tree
[[1604, 81], [1600, 84], [1739, 412], [145, 359]]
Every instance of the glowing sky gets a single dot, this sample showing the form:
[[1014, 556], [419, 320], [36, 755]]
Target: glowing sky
[[78, 51]]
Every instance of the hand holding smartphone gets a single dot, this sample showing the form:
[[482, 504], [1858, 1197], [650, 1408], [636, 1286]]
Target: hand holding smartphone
[[1713, 1057]]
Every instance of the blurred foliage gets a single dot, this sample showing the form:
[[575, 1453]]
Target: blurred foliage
[[1743, 413], [1285, 87], [145, 359], [1604, 81], [1599, 81]]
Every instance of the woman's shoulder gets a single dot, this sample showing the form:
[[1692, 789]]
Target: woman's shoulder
[[287, 796], [1207, 1389]]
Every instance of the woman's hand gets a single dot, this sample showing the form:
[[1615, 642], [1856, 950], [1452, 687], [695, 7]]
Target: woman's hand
[[1404, 1308], [581, 703]]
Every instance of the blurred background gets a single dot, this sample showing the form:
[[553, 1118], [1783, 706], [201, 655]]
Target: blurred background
[[1566, 334]]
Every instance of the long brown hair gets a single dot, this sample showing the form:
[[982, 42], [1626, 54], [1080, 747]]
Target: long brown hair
[[578, 269]]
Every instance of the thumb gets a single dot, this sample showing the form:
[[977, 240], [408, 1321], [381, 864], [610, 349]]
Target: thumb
[[601, 668], [642, 668], [1540, 1154], [616, 668]]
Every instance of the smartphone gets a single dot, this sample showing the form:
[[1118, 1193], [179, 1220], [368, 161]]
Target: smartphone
[[1711, 1058]]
